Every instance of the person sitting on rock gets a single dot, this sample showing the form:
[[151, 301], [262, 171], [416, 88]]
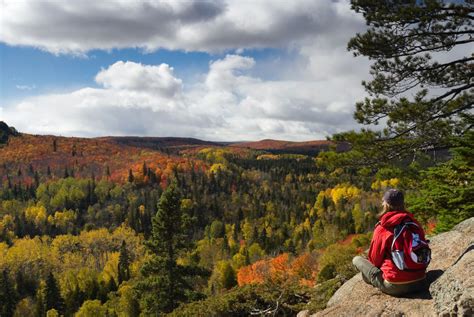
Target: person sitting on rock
[[385, 268]]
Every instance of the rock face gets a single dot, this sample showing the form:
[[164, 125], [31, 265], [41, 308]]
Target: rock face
[[451, 278]]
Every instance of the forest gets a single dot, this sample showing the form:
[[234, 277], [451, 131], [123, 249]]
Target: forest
[[253, 227], [110, 227]]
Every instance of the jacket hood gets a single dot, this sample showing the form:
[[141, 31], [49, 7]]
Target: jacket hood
[[394, 218]]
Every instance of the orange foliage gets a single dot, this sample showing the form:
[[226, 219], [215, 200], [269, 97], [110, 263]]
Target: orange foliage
[[83, 157], [280, 267], [305, 267], [430, 226], [279, 270], [253, 274]]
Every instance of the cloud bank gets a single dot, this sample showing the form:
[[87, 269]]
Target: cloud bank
[[80, 26], [228, 104], [310, 97]]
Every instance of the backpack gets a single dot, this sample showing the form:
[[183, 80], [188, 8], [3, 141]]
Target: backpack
[[410, 251]]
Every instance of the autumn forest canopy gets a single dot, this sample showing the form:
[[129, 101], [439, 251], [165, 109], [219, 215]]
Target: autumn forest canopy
[[130, 226]]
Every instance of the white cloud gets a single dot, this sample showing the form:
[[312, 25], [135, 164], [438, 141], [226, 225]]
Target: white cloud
[[228, 104], [310, 96], [135, 76], [80, 26], [25, 87]]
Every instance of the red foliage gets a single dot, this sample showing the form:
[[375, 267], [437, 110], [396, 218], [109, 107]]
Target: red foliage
[[83, 158], [279, 270]]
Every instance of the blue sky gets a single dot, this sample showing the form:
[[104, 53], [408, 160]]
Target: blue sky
[[28, 71], [46, 72], [235, 70]]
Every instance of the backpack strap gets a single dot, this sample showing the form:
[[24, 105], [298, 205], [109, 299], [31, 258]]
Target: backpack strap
[[397, 231]]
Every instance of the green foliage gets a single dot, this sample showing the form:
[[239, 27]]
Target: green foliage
[[258, 299], [400, 38], [48, 296], [447, 190], [91, 308], [217, 229], [322, 293], [223, 277], [164, 286], [123, 264], [327, 272], [8, 296], [54, 299], [337, 260]]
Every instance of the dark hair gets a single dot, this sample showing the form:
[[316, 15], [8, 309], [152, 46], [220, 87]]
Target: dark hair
[[393, 200]]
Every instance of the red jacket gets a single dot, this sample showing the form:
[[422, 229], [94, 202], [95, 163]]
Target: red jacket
[[379, 252]]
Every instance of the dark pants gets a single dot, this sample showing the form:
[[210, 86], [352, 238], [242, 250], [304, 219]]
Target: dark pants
[[373, 275]]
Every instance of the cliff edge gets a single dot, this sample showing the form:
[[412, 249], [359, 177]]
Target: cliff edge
[[450, 275]]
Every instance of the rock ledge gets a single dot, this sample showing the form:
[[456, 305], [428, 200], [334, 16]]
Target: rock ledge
[[451, 278]]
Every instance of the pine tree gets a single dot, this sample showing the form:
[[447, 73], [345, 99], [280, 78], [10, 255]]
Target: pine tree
[[124, 264], [422, 99], [400, 38], [37, 179], [48, 296], [164, 286], [8, 295], [53, 296], [447, 190], [130, 176]]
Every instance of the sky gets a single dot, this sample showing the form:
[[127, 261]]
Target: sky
[[214, 70]]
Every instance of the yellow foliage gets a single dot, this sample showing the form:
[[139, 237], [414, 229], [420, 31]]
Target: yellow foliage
[[217, 167], [141, 210], [238, 261], [33, 256], [36, 214], [344, 191], [63, 219], [385, 184], [111, 267]]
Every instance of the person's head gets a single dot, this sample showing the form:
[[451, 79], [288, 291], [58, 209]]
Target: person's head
[[393, 201]]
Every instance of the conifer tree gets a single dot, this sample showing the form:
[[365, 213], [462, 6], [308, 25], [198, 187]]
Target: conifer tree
[[447, 190], [8, 295], [164, 285], [48, 296], [124, 264], [53, 296], [423, 100]]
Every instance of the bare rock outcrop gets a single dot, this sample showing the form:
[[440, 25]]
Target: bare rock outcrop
[[450, 275]]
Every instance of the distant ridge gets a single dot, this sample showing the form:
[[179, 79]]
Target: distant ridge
[[280, 146], [176, 144], [160, 142]]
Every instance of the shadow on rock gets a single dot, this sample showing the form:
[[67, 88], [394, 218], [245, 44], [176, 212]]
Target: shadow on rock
[[431, 276]]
